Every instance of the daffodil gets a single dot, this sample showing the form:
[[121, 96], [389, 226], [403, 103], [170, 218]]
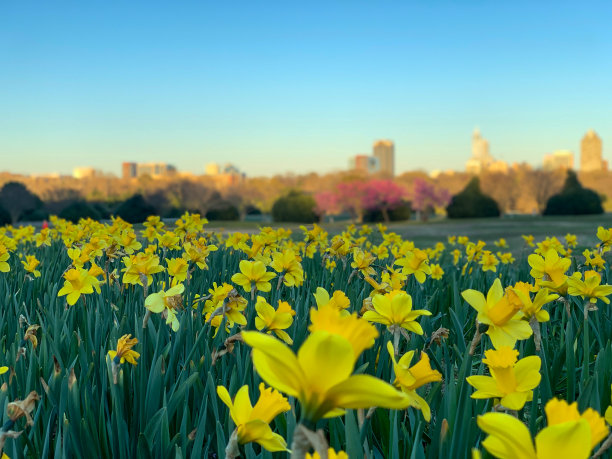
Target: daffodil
[[590, 287], [415, 262], [253, 422], [4, 256], [253, 277], [167, 302], [550, 267], [410, 378], [124, 352], [274, 321], [502, 316], [288, 265], [77, 282], [395, 311], [511, 380], [568, 434], [528, 238], [331, 454], [140, 267], [362, 262], [436, 272], [488, 261], [30, 264], [224, 304], [177, 269], [338, 300], [320, 375], [533, 308]]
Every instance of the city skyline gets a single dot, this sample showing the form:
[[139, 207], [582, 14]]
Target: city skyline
[[297, 90]]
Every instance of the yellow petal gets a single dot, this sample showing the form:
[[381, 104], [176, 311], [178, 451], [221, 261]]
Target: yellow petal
[[568, 439], [364, 391]]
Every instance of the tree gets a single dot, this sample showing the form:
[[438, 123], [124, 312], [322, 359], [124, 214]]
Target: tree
[[574, 199], [472, 203], [327, 203], [352, 198], [295, 206], [18, 200], [426, 197], [383, 195]]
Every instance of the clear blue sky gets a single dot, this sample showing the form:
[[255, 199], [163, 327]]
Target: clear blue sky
[[288, 86]]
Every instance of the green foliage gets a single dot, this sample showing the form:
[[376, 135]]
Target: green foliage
[[296, 206], [79, 209], [397, 214], [21, 203], [5, 217], [574, 199], [472, 203], [223, 210], [135, 209]]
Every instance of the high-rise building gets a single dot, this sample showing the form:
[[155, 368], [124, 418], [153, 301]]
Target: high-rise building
[[364, 163], [129, 170], [384, 152], [481, 158], [560, 159], [590, 153]]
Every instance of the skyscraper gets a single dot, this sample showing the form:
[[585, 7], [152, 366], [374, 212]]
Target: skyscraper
[[590, 153], [384, 152], [481, 158]]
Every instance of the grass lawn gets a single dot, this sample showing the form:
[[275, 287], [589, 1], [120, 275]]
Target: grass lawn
[[486, 229]]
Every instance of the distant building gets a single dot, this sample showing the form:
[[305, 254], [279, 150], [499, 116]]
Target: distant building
[[560, 159], [154, 170], [364, 163], [129, 170], [86, 172], [384, 152], [591, 153], [481, 157], [212, 169]]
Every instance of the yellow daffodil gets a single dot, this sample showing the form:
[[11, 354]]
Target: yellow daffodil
[[417, 263], [590, 287], [568, 433], [253, 422], [177, 269], [362, 261], [253, 277], [395, 310], [410, 378], [4, 256], [501, 315], [277, 321], [30, 264], [488, 261], [528, 238], [124, 352], [320, 375], [167, 302], [77, 282], [338, 300], [533, 307], [331, 454], [139, 267], [436, 272], [550, 267], [511, 380], [288, 265]]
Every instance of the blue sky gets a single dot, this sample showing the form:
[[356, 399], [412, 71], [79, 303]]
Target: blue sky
[[297, 87]]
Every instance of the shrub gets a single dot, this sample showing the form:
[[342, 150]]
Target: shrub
[[34, 215], [223, 211], [135, 209], [472, 203], [400, 213], [77, 210], [574, 199], [21, 203], [295, 206], [5, 217]]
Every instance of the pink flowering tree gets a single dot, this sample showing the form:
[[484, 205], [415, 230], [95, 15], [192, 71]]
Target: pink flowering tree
[[351, 197], [383, 195], [327, 203], [426, 197]]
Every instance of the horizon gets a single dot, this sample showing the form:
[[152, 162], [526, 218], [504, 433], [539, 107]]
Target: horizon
[[277, 89]]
